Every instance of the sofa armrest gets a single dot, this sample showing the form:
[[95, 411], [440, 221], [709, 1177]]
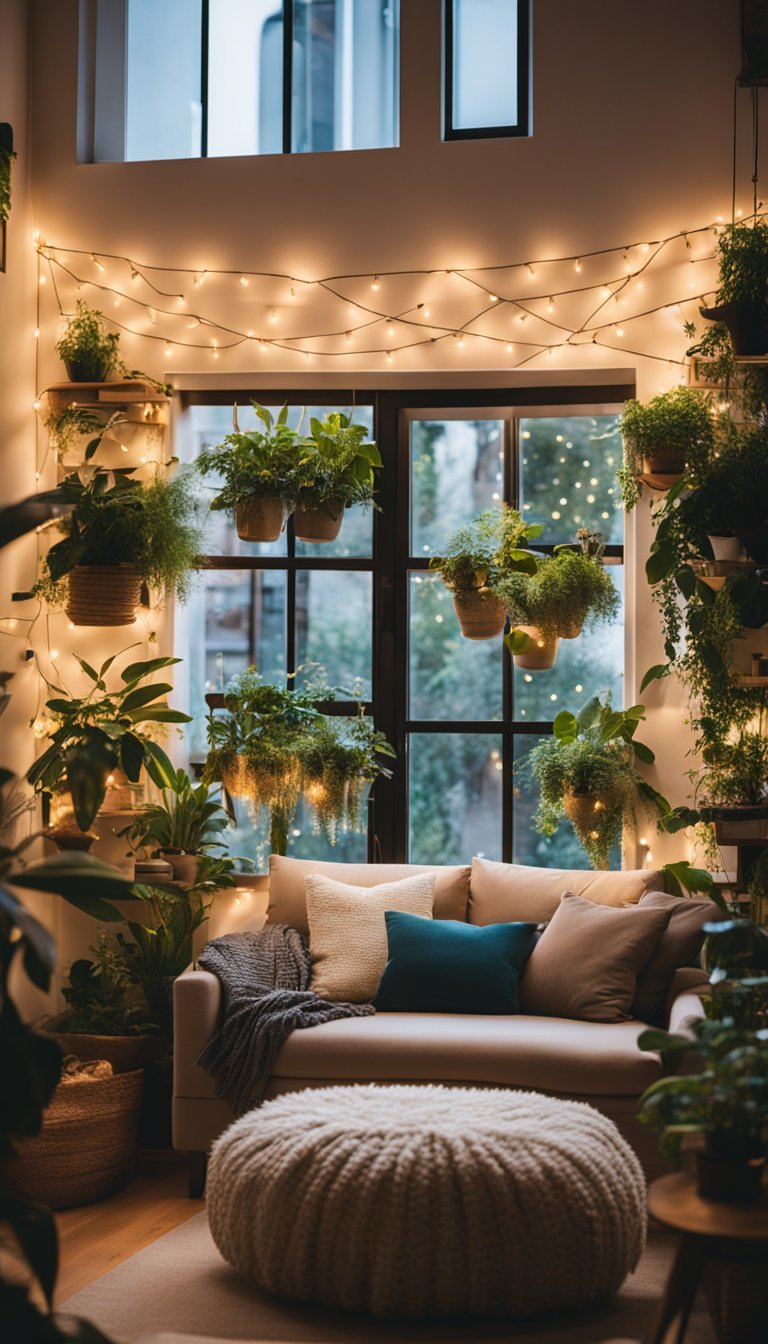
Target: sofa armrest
[[684, 1005], [197, 1005]]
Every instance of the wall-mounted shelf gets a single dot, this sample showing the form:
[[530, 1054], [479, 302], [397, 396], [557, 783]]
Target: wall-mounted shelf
[[751, 681], [112, 396]]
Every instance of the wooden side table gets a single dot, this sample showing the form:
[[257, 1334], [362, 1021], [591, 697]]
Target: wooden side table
[[710, 1231]]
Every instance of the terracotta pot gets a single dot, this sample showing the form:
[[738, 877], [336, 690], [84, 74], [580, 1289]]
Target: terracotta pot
[[317, 525], [261, 518], [103, 594], [543, 655], [481, 613], [583, 810], [730, 1181], [746, 325], [185, 866], [664, 461]]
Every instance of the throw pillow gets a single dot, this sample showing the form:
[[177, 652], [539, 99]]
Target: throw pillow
[[511, 891], [444, 966], [286, 885], [347, 933], [680, 944], [586, 963]]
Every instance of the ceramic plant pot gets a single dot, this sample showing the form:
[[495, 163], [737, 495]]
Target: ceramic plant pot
[[736, 1181], [261, 518], [317, 524], [185, 866], [664, 461], [87, 370], [481, 613], [725, 548], [746, 325], [543, 653], [103, 594]]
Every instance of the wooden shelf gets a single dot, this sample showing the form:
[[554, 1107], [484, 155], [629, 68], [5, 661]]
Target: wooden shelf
[[751, 681], [122, 392]]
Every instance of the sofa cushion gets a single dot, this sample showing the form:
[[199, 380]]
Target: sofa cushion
[[447, 966], [511, 891], [287, 904], [577, 1058], [348, 935], [586, 963], [680, 944]]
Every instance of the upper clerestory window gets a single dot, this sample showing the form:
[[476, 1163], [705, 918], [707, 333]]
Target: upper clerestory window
[[487, 68]]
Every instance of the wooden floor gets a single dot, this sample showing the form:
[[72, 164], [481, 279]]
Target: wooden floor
[[95, 1238]]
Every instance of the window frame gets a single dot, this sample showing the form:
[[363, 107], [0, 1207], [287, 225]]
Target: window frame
[[523, 125], [391, 564]]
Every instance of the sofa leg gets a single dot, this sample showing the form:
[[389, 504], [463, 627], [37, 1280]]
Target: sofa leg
[[196, 1168]]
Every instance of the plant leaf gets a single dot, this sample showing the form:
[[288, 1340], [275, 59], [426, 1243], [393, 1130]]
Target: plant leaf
[[655, 673]]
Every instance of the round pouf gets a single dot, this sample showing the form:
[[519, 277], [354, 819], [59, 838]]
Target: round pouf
[[428, 1201]]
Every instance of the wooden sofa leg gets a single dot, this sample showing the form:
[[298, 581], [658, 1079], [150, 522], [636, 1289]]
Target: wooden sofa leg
[[196, 1169]]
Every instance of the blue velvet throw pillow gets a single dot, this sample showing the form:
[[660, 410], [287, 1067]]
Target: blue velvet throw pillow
[[445, 966]]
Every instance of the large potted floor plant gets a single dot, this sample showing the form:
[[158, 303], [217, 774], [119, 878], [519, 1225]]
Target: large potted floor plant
[[567, 590], [475, 559], [259, 473], [344, 469], [662, 438], [741, 302]]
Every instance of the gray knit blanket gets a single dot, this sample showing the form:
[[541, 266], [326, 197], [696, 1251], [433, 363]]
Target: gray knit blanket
[[264, 978]]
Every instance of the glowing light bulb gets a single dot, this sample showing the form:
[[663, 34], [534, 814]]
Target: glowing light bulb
[[618, 331], [577, 264], [54, 655], [42, 279], [551, 306], [530, 268], [494, 298], [510, 347], [293, 291], [273, 315], [389, 356], [390, 328], [180, 300], [459, 339], [244, 280], [168, 348], [426, 312], [36, 405], [376, 282], [348, 336], [606, 292], [117, 300], [135, 276], [198, 278], [97, 263], [152, 315]]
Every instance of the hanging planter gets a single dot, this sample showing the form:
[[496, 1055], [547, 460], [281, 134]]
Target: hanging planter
[[317, 525], [103, 594], [260, 518], [742, 298], [481, 613], [338, 466], [586, 812], [532, 649], [567, 590], [747, 328]]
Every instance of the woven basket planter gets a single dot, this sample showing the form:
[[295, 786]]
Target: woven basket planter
[[103, 594], [124, 1053], [261, 518], [543, 655], [317, 525], [583, 811], [481, 613], [85, 1148]]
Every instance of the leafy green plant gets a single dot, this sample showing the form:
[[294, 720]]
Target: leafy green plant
[[188, 820], [344, 464], [758, 887], [743, 386], [743, 256], [97, 1005], [86, 348], [586, 773], [737, 772], [101, 732], [479, 554], [678, 423], [274, 744], [275, 461], [6, 159], [567, 590]]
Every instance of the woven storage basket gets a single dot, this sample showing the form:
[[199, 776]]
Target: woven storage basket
[[85, 1148], [481, 613], [317, 525], [260, 519], [124, 1053], [103, 594]]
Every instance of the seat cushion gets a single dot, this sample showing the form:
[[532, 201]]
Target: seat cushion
[[287, 904], [581, 1058], [348, 934], [512, 891], [447, 966]]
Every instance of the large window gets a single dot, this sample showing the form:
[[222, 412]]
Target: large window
[[181, 79], [370, 610], [487, 68]]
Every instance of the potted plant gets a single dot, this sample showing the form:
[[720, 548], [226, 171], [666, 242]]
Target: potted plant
[[741, 302], [89, 353], [263, 472], [274, 745], [474, 560], [734, 785], [99, 1021], [567, 590], [344, 468], [669, 434], [185, 826], [586, 773], [121, 533], [102, 731]]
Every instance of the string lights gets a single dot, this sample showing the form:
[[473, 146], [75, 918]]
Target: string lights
[[416, 323]]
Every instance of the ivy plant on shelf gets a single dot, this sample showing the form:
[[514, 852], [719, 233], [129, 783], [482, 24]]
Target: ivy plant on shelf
[[586, 773], [477, 558], [345, 463], [91, 354], [663, 438]]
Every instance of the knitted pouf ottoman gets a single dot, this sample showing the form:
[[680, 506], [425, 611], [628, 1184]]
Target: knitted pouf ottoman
[[428, 1201]]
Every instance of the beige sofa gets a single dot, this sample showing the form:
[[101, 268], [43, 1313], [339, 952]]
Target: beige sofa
[[593, 1062]]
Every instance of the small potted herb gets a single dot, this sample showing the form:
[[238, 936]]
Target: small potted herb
[[474, 561], [89, 352], [344, 469], [263, 473], [567, 590], [662, 438], [741, 302], [185, 826]]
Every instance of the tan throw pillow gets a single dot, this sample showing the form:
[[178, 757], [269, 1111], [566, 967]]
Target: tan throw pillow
[[503, 892], [586, 963], [680, 944], [348, 932], [286, 885]]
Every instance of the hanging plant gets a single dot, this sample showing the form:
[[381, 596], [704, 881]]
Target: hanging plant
[[344, 467], [569, 589], [6, 159], [670, 434], [475, 561], [274, 746], [741, 302], [586, 773]]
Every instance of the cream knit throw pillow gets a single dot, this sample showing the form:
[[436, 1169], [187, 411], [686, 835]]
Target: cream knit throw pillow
[[348, 932]]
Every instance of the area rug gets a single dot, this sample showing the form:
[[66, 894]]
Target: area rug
[[180, 1285]]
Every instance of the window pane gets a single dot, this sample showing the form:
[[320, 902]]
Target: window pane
[[334, 625], [245, 77], [455, 797], [568, 475], [450, 677], [484, 63], [456, 470], [345, 74], [162, 110], [561, 850], [591, 664]]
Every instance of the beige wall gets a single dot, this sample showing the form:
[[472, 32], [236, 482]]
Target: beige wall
[[632, 136]]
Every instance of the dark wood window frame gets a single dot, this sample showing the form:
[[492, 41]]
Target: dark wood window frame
[[523, 125], [391, 563]]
